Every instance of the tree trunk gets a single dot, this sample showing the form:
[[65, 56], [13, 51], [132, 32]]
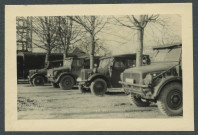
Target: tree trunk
[[92, 50], [47, 59], [65, 55], [140, 34]]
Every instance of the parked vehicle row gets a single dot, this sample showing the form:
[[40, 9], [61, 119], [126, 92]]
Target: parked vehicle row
[[158, 80]]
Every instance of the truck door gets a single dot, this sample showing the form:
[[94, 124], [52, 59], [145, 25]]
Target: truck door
[[77, 65], [118, 67]]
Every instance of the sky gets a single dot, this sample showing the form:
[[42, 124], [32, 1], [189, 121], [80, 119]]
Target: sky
[[120, 40]]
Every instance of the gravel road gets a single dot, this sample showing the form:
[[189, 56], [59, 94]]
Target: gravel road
[[46, 102]]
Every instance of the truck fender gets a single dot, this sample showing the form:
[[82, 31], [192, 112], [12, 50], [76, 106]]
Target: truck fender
[[63, 74], [99, 75], [37, 74], [163, 82]]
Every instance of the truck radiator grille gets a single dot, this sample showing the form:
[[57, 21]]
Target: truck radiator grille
[[50, 71], [82, 75]]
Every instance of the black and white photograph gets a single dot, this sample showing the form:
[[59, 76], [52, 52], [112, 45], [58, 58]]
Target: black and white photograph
[[73, 62], [97, 66]]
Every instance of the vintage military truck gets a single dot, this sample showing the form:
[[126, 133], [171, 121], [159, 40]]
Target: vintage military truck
[[160, 82], [37, 77], [107, 75], [65, 76]]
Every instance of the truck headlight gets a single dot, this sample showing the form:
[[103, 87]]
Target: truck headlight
[[79, 79], [48, 74], [55, 73], [148, 79]]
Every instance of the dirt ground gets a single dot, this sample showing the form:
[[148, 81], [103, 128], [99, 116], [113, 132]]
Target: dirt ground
[[46, 102]]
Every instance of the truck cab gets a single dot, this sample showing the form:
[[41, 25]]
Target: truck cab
[[106, 75], [65, 76], [37, 77], [159, 82]]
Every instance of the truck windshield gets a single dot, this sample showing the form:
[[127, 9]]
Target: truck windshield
[[166, 55], [68, 62]]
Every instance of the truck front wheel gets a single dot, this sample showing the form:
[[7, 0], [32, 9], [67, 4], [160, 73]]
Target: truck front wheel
[[170, 100], [66, 82], [38, 81], [55, 85], [138, 101], [98, 87]]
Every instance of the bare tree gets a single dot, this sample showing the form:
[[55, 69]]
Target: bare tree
[[138, 23], [68, 33], [46, 37], [92, 25], [100, 50]]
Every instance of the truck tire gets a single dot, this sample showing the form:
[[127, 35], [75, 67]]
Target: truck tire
[[55, 85], [170, 99], [137, 101], [82, 89], [98, 87], [66, 82], [38, 81]]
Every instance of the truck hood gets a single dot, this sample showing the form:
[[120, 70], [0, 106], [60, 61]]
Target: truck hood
[[61, 68], [39, 71], [44, 70], [87, 70], [154, 67], [85, 73]]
